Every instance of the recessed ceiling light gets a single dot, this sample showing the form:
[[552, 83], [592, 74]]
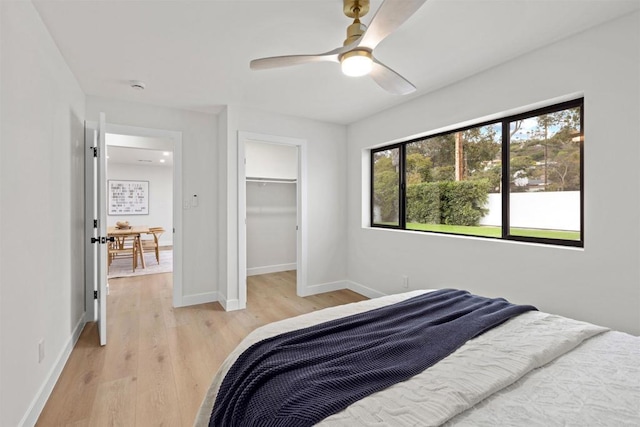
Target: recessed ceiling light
[[165, 153], [161, 160], [145, 161]]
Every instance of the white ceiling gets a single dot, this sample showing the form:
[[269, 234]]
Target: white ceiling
[[138, 150], [138, 156], [195, 54]]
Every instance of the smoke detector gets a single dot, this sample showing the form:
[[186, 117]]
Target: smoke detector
[[137, 84]]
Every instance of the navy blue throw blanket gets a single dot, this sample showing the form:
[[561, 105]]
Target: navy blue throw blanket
[[301, 377]]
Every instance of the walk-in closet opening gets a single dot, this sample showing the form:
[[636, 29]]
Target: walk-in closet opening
[[271, 203]]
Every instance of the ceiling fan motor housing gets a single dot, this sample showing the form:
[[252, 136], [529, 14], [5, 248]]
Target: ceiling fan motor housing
[[354, 31]]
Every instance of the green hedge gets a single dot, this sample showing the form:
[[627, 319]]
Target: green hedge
[[447, 202], [386, 195]]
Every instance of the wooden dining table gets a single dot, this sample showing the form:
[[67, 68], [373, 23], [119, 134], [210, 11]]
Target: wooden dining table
[[133, 231]]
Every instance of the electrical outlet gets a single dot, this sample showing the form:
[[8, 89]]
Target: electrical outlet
[[405, 282], [41, 351]]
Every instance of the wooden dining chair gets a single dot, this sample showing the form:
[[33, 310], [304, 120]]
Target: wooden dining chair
[[121, 248], [152, 244]]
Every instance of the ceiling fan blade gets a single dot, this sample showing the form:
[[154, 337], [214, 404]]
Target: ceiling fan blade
[[390, 15], [389, 80], [290, 60]]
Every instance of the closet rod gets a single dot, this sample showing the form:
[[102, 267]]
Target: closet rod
[[274, 180]]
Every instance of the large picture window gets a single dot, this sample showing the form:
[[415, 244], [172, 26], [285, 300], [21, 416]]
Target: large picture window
[[519, 178]]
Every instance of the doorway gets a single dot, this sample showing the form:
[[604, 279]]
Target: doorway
[[271, 193], [149, 169], [271, 201], [141, 138], [159, 139]]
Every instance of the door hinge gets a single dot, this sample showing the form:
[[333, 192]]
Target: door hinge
[[95, 223], [95, 151], [95, 294]]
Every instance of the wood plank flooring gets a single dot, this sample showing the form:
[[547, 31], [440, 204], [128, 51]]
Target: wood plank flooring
[[158, 361]]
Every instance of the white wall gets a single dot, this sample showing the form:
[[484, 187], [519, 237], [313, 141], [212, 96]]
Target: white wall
[[271, 160], [225, 119], [552, 210], [271, 207], [160, 196], [41, 210], [326, 208], [271, 227], [199, 158], [600, 283]]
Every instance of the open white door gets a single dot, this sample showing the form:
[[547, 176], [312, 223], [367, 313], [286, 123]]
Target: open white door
[[101, 214], [96, 217]]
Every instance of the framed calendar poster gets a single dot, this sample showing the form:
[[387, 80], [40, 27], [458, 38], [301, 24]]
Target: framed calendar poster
[[128, 197]]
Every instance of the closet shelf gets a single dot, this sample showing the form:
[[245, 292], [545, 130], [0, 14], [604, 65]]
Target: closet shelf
[[273, 180]]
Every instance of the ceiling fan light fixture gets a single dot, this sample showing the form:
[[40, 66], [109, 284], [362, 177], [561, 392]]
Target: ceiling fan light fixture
[[356, 63]]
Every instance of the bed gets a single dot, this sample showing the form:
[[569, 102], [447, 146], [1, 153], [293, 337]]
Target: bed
[[533, 369]]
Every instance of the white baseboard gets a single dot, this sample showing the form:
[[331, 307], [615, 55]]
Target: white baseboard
[[37, 405], [202, 298], [342, 284], [229, 304], [325, 287], [254, 271], [234, 304], [363, 290]]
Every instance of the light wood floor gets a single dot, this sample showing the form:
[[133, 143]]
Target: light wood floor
[[158, 360]]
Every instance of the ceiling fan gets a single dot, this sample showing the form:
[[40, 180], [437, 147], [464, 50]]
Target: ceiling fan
[[356, 55]]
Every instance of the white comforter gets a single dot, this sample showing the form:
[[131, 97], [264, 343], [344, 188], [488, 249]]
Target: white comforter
[[494, 379]]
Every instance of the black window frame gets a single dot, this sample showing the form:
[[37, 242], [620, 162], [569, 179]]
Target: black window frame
[[505, 193], [401, 185]]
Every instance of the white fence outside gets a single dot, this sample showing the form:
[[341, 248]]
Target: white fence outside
[[552, 210]]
